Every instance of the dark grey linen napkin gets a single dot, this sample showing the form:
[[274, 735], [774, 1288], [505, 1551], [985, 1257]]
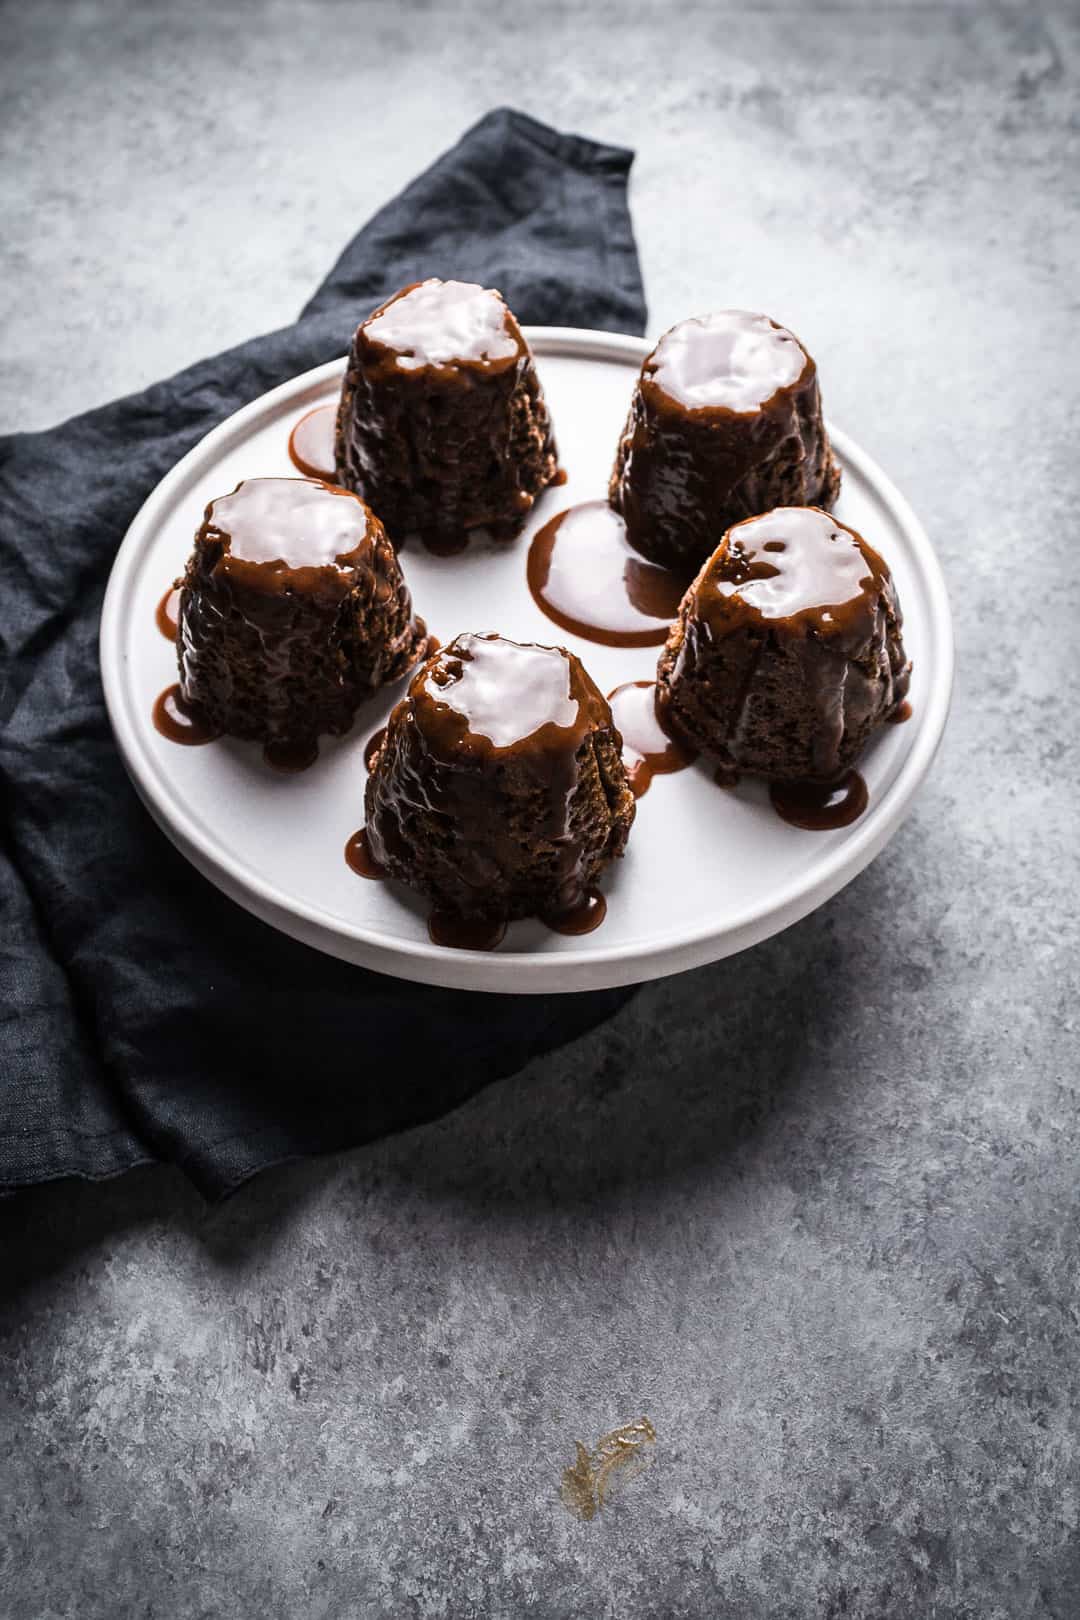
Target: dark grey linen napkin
[[142, 1015]]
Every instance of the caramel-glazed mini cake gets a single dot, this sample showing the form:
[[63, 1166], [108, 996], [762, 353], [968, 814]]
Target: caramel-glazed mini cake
[[442, 425], [787, 651], [499, 790], [725, 422], [292, 610]]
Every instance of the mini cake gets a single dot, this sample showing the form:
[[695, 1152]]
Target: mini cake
[[292, 610], [499, 790], [725, 422], [787, 651], [442, 425]]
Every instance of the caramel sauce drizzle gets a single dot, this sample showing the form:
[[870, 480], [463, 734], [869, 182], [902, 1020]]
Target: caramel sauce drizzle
[[623, 1452]]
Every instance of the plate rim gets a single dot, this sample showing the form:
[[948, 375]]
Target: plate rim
[[515, 972]]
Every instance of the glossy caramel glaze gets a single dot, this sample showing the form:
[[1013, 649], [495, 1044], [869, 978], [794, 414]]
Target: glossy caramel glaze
[[820, 806], [734, 361], [583, 918], [485, 697], [311, 444], [498, 790], [725, 422], [788, 651], [444, 326], [372, 746], [166, 616], [647, 749], [293, 609], [442, 423], [359, 858], [796, 570], [180, 721], [290, 534], [584, 575]]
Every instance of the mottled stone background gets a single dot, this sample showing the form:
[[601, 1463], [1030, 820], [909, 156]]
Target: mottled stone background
[[813, 1210]]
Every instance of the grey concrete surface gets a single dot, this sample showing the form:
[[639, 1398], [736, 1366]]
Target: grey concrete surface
[[813, 1210]]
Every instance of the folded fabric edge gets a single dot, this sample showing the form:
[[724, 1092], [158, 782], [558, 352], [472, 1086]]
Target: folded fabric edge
[[216, 1189], [579, 150], [11, 1185]]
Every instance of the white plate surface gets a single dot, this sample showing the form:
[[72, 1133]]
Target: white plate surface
[[707, 872]]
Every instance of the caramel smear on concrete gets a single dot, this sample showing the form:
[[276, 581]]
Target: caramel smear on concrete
[[623, 1452]]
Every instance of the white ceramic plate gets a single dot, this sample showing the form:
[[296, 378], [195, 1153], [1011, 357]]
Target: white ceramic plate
[[707, 872]]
